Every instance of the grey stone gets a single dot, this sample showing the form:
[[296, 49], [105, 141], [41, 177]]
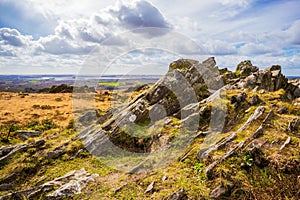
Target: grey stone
[[150, 187], [25, 134], [255, 100], [246, 68], [282, 110], [221, 191], [178, 195]]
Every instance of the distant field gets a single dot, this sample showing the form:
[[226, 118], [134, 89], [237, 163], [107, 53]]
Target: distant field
[[111, 84], [34, 81], [25, 108]]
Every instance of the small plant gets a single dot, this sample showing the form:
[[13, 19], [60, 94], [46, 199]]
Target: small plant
[[198, 167], [10, 126], [248, 159], [44, 125]]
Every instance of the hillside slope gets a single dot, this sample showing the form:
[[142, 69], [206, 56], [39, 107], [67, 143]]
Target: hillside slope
[[199, 133]]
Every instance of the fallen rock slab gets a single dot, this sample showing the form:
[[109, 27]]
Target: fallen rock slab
[[257, 113], [26, 134], [65, 186]]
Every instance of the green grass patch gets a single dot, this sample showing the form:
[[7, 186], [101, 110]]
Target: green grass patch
[[34, 81], [111, 84]]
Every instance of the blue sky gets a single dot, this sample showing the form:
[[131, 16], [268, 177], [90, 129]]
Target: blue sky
[[57, 37]]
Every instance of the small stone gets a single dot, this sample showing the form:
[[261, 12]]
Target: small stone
[[150, 187], [220, 191], [26, 134], [248, 110], [255, 100], [241, 97], [282, 110], [262, 91], [233, 100], [293, 125], [164, 178]]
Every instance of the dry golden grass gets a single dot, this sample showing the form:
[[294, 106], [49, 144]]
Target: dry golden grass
[[38, 106]]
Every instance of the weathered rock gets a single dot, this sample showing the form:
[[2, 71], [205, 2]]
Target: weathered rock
[[25, 134], [288, 140], [68, 185], [108, 114], [150, 187], [293, 125], [71, 183], [176, 94], [232, 151], [221, 191], [7, 152], [257, 113], [269, 117], [255, 100], [58, 151], [241, 97], [282, 110], [178, 195], [15, 149], [204, 153], [88, 117], [270, 79], [138, 88], [246, 68]]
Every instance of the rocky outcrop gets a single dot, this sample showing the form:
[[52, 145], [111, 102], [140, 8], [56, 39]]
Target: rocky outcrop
[[62, 187], [7, 152], [177, 94], [269, 79], [245, 68], [70, 184]]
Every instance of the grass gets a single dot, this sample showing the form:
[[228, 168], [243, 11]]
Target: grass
[[34, 81], [57, 124], [111, 84]]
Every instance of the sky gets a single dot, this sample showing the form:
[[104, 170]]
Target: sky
[[143, 37]]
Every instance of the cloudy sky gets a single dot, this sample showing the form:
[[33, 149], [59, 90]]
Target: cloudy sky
[[61, 36]]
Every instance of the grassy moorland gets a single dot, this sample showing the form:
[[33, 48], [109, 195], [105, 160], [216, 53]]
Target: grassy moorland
[[253, 159]]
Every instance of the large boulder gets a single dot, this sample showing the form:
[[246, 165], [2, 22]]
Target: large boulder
[[245, 68], [269, 79]]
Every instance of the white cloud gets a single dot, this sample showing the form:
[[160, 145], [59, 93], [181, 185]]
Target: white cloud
[[231, 30], [75, 36], [255, 49], [5, 52], [57, 45], [293, 33], [218, 47], [13, 37], [140, 14]]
